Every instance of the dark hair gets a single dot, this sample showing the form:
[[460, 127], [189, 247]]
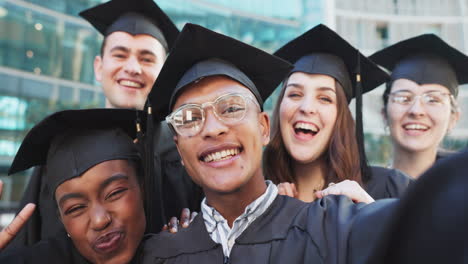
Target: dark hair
[[103, 45], [341, 156]]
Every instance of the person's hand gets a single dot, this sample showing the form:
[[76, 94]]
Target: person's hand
[[348, 188], [9, 232], [185, 219], [288, 189]]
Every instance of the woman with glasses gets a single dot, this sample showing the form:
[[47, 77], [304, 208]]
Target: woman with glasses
[[419, 100], [315, 142]]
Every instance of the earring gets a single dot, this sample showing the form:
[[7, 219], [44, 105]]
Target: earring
[[68, 235]]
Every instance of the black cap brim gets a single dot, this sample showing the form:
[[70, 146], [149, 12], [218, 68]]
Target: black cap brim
[[197, 44], [409, 52], [322, 40], [103, 16], [35, 147]]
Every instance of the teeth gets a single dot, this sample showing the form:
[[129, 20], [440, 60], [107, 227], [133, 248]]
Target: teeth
[[416, 127], [130, 83], [221, 155], [306, 126]]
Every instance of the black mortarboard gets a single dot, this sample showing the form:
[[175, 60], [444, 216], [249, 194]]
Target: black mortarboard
[[322, 51], [200, 52], [430, 224], [134, 17], [72, 141], [425, 59]]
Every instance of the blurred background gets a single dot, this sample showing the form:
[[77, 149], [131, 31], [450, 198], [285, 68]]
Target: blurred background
[[47, 53]]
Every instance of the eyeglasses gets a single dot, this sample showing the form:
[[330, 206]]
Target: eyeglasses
[[189, 119], [432, 98]]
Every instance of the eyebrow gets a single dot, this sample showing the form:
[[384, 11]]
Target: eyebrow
[[300, 86], [112, 179], [120, 48], [140, 52], [103, 185]]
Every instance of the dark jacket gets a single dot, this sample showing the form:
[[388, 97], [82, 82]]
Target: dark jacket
[[290, 231], [387, 183]]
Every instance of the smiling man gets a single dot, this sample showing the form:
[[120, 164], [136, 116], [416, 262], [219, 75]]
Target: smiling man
[[214, 88]]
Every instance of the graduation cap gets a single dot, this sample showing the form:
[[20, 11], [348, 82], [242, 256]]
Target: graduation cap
[[72, 141], [134, 17], [199, 53], [322, 51], [425, 59]]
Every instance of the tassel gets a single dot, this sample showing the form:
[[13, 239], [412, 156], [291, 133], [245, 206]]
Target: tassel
[[365, 170], [153, 190]]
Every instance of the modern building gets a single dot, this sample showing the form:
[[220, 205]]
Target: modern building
[[47, 53], [374, 24]]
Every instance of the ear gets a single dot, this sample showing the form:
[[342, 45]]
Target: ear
[[98, 68], [454, 117], [264, 121]]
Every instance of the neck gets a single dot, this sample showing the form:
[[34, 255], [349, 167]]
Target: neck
[[231, 205], [413, 163], [309, 177]]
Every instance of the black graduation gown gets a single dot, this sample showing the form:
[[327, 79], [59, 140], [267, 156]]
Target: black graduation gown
[[387, 183], [58, 249], [290, 231], [178, 191]]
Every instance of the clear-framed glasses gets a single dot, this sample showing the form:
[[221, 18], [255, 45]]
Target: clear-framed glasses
[[432, 98], [188, 120]]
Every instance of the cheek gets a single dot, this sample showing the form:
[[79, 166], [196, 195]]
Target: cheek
[[286, 110]]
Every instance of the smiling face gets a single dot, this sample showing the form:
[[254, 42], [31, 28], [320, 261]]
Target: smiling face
[[307, 115], [128, 68], [102, 211], [418, 126], [222, 158]]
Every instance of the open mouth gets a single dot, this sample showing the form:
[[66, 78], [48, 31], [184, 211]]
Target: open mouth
[[131, 84], [220, 154], [415, 127], [305, 129]]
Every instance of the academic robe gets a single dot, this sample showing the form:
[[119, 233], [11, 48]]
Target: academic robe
[[387, 183], [58, 249], [178, 192], [290, 231]]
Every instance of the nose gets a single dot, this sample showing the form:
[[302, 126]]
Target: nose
[[132, 66], [308, 106], [417, 108], [213, 127], [100, 218]]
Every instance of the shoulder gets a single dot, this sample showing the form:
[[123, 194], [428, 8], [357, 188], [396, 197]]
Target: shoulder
[[189, 240], [387, 183]]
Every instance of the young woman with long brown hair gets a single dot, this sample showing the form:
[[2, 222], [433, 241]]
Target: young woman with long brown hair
[[314, 141]]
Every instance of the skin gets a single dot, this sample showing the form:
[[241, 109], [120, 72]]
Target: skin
[[415, 150], [10, 231], [229, 185], [126, 57], [311, 99], [105, 201]]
